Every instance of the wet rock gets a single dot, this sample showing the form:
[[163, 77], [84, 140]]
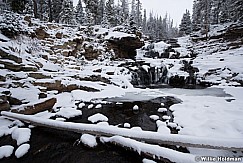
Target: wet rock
[[177, 81], [36, 108]]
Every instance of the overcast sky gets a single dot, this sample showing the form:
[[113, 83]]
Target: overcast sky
[[175, 8]]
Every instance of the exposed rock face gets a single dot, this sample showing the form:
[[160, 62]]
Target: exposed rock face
[[125, 47], [36, 108], [57, 85], [5, 55]]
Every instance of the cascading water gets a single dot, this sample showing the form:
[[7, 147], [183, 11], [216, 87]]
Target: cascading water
[[147, 74]]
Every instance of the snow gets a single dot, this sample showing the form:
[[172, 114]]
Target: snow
[[127, 125], [162, 127], [97, 117], [148, 161], [118, 35], [90, 106], [21, 135], [22, 150], [155, 150], [89, 140], [154, 117], [98, 106], [134, 132], [135, 107], [81, 105], [161, 110], [6, 151], [68, 112]]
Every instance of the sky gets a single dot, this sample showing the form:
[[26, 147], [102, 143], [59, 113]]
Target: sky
[[174, 8]]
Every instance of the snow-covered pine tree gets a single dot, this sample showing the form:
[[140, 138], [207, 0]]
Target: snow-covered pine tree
[[125, 11], [18, 5], [138, 15], [92, 5], [101, 11], [56, 9], [186, 25], [110, 12], [79, 13], [105, 23], [144, 24], [236, 10], [67, 14]]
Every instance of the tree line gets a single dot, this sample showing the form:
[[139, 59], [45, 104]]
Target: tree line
[[108, 13], [211, 12]]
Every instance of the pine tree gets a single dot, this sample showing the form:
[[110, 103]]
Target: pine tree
[[110, 12], [67, 14], [185, 26], [79, 13], [101, 11], [92, 5], [144, 28], [18, 5], [56, 9], [125, 10]]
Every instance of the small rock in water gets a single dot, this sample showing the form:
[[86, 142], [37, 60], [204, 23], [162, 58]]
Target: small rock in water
[[135, 107], [154, 117], [89, 140], [172, 124], [90, 106], [166, 117], [22, 150], [162, 104], [81, 105], [98, 106], [161, 110], [98, 117], [127, 125]]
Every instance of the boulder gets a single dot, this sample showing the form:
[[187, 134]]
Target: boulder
[[41, 33], [43, 105], [125, 47]]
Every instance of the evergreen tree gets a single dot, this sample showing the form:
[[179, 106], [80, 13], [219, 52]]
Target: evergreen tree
[[92, 5], [79, 13], [101, 11], [56, 9], [67, 14], [125, 10], [144, 28], [185, 26], [18, 5], [110, 12]]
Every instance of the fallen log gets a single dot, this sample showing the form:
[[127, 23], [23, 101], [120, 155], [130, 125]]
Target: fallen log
[[152, 151], [146, 136]]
